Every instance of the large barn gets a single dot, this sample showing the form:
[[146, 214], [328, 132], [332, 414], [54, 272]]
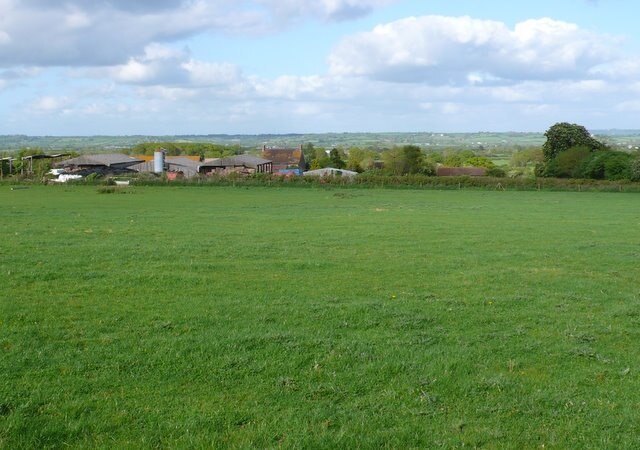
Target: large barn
[[178, 165], [102, 163], [245, 164]]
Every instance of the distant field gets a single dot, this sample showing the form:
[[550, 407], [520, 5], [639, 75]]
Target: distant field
[[479, 142], [434, 141], [311, 318]]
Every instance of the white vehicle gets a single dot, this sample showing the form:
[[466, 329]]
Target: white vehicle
[[63, 178], [56, 172]]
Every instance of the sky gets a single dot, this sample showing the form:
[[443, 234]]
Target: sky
[[175, 67]]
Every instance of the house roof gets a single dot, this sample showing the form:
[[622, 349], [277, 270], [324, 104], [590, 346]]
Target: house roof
[[106, 159], [461, 171], [283, 156]]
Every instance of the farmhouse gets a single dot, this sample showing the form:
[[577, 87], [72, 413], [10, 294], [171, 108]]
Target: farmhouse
[[103, 163], [461, 171], [244, 164], [285, 160]]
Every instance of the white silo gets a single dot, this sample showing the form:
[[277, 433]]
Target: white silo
[[158, 161]]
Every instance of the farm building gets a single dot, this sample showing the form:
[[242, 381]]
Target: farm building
[[174, 166], [245, 164], [102, 163], [285, 160], [461, 171], [330, 171], [27, 165]]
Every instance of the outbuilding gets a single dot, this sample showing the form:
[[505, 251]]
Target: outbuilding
[[330, 172], [461, 171], [100, 163], [245, 164]]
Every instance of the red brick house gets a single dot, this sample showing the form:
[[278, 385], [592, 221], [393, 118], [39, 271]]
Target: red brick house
[[285, 159]]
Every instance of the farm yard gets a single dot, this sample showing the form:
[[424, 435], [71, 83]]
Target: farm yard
[[315, 318]]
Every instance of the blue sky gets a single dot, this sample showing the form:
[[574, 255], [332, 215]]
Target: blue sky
[[115, 67]]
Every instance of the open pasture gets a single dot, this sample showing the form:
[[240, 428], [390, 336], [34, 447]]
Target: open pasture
[[313, 318]]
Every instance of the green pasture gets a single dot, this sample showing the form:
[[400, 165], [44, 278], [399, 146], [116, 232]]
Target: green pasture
[[209, 317]]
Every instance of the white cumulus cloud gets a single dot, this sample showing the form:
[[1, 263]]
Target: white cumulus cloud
[[325, 9], [459, 50], [102, 33]]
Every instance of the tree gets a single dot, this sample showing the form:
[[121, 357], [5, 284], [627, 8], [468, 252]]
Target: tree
[[635, 169], [414, 158], [454, 160], [608, 165], [523, 158], [335, 159], [404, 160], [309, 151], [359, 159], [319, 159], [570, 163], [479, 161], [563, 136]]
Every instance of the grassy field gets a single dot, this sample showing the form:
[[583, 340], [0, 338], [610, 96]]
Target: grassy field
[[312, 318]]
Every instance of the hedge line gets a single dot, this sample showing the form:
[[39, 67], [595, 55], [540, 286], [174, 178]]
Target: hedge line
[[376, 181], [406, 182]]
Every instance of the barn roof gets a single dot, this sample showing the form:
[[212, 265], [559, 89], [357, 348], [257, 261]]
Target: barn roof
[[173, 163], [236, 161], [151, 157], [461, 171], [106, 159], [58, 155], [330, 171]]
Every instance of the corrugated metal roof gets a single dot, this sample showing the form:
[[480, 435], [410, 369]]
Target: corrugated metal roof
[[151, 157], [106, 159], [146, 166], [330, 171], [59, 155], [236, 161], [183, 161], [175, 164], [461, 171]]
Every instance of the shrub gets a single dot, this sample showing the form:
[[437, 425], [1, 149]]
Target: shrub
[[496, 172], [634, 169], [568, 164], [607, 165]]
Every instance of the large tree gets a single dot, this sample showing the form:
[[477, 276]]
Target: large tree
[[563, 136], [404, 160], [335, 157]]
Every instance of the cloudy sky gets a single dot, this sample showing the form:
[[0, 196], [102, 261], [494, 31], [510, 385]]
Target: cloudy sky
[[82, 67]]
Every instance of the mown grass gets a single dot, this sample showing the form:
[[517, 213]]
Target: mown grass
[[234, 317]]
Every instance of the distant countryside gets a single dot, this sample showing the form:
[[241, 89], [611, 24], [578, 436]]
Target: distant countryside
[[564, 151]]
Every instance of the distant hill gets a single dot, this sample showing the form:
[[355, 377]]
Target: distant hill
[[479, 141]]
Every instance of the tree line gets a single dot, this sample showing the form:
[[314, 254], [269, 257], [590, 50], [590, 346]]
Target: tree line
[[570, 151], [398, 160]]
